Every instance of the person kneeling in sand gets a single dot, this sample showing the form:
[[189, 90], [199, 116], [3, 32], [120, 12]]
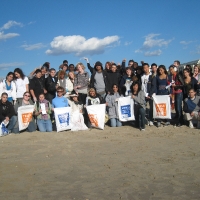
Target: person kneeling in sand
[[192, 108]]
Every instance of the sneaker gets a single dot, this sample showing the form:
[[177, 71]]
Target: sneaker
[[150, 123], [142, 129], [167, 123], [158, 124], [191, 124]]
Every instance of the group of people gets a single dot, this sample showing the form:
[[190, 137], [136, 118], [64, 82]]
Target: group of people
[[73, 86]]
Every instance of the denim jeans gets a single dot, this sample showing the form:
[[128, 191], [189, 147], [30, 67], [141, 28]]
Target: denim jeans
[[115, 122], [150, 110], [44, 125], [178, 106], [141, 118], [12, 123], [31, 127]]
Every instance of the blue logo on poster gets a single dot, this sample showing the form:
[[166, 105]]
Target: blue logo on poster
[[64, 118], [126, 111]]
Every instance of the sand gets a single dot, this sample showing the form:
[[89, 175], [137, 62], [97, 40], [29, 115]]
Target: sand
[[117, 163]]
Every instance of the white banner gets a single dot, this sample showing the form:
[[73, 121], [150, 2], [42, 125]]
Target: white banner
[[25, 115], [63, 118], [126, 109], [161, 107], [96, 114], [78, 122]]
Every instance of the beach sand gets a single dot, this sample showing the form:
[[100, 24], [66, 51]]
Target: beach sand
[[117, 163]]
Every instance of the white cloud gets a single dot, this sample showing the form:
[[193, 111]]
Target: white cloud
[[79, 45], [33, 46], [151, 42], [128, 43], [153, 53], [32, 22], [7, 35], [9, 24], [185, 42], [5, 66]]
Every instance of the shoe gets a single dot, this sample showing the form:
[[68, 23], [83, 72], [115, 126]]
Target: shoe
[[191, 124], [167, 123], [178, 125], [142, 129], [150, 123], [158, 124]]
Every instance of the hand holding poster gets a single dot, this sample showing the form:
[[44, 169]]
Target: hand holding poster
[[96, 114], [161, 107], [63, 118], [126, 109], [25, 115]]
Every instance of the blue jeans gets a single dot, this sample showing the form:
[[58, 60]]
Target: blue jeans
[[12, 123], [178, 106], [142, 118], [44, 125], [31, 127], [115, 122], [150, 110]]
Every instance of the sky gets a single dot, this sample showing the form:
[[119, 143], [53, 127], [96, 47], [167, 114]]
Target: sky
[[153, 31]]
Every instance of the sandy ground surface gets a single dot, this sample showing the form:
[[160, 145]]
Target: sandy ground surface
[[117, 163]]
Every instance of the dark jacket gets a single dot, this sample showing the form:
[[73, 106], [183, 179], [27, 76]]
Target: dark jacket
[[92, 78], [113, 78], [6, 110], [37, 85], [193, 86], [51, 85]]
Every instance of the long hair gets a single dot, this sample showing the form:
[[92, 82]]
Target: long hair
[[20, 72], [162, 67], [10, 73], [135, 83], [119, 91]]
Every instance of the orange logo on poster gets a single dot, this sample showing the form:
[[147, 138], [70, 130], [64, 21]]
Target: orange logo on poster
[[93, 119], [161, 109], [26, 117]]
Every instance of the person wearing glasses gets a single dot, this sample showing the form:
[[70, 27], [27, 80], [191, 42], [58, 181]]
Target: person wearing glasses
[[7, 113], [60, 101], [26, 101]]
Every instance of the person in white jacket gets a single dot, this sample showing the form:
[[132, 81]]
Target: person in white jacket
[[9, 87], [66, 83]]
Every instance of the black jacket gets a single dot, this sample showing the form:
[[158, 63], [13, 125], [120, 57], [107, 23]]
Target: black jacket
[[112, 78], [51, 84], [6, 110]]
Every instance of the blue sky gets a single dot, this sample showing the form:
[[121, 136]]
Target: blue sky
[[33, 32]]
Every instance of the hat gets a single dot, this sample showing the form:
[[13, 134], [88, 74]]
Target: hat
[[98, 63]]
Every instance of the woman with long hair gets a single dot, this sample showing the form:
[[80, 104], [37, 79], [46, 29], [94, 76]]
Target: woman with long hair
[[9, 87], [112, 104], [189, 82], [22, 83], [139, 104], [162, 81], [196, 75]]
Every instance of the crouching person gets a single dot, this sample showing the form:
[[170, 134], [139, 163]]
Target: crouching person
[[26, 101], [7, 113], [139, 104], [43, 111], [192, 108]]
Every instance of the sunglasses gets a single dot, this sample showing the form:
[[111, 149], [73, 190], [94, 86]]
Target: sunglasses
[[26, 95]]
